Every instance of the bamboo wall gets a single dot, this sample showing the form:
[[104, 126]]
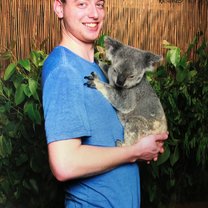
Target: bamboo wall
[[140, 23]]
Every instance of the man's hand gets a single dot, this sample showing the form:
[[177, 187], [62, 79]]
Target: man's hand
[[149, 147]]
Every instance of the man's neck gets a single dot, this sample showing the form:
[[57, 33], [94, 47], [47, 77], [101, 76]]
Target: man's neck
[[82, 49]]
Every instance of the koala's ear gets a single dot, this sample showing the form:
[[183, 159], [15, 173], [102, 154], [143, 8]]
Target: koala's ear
[[150, 59], [112, 44]]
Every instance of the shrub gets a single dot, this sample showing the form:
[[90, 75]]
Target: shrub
[[25, 178], [181, 173]]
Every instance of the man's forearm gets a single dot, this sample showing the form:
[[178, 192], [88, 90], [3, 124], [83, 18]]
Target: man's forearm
[[71, 159]]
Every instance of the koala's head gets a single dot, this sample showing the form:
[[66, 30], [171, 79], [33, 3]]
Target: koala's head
[[128, 64]]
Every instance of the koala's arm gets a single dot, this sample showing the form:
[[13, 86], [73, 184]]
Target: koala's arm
[[104, 67], [121, 100]]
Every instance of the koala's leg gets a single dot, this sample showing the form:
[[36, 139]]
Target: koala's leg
[[134, 129], [122, 102]]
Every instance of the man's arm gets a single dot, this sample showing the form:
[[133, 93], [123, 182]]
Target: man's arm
[[70, 159]]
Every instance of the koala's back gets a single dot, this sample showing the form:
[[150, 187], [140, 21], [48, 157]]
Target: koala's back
[[147, 117], [148, 103]]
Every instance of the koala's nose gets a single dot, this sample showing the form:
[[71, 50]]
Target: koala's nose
[[120, 81]]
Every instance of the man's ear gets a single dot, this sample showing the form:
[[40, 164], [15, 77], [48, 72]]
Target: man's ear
[[58, 8]]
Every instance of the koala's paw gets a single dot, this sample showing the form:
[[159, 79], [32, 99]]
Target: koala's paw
[[119, 143], [91, 80]]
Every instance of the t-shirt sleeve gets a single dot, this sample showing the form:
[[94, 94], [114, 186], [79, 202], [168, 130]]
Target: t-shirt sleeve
[[63, 103]]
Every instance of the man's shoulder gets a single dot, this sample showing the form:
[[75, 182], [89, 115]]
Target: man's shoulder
[[56, 57]]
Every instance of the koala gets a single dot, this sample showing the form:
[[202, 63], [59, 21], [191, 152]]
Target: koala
[[139, 108]]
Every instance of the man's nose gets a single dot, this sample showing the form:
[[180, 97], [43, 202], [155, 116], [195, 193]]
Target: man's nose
[[93, 13]]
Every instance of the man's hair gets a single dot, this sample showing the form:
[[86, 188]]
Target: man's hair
[[63, 1]]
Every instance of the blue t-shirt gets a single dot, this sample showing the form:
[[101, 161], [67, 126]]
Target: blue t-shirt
[[72, 110]]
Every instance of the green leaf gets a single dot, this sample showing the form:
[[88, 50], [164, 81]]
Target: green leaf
[[152, 192], [19, 94], [33, 86], [44, 42], [3, 115], [9, 71], [27, 91], [26, 184], [5, 55], [31, 110], [3, 198], [25, 64], [172, 182], [42, 58], [5, 185], [22, 158], [183, 62], [173, 56], [175, 156], [34, 57], [205, 89], [11, 128], [8, 92], [172, 101], [18, 79], [1, 88], [34, 185], [5, 146], [101, 39], [31, 185], [181, 75], [36, 163], [192, 74], [2, 110], [163, 157]]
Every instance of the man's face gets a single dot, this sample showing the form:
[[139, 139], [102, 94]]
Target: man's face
[[83, 19]]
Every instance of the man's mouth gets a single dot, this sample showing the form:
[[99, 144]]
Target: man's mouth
[[91, 25]]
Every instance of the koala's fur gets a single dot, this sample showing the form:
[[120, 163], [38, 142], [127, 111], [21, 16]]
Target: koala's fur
[[137, 104]]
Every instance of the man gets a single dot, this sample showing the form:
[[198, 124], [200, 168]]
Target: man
[[81, 126]]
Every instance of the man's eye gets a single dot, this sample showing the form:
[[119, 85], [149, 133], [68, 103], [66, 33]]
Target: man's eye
[[82, 4], [100, 4]]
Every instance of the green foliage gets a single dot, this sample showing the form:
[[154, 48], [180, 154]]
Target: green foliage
[[181, 172], [100, 49], [25, 178]]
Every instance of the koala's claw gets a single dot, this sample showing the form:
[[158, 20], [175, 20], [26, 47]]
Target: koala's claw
[[90, 84], [119, 143], [94, 75], [91, 78]]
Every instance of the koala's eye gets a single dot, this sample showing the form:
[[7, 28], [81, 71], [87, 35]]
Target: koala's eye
[[114, 70], [131, 77]]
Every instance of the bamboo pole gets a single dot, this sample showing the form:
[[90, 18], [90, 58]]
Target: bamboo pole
[[143, 24]]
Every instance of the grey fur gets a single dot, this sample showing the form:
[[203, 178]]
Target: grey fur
[[137, 104]]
